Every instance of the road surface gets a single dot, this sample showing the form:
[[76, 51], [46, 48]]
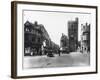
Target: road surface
[[65, 60]]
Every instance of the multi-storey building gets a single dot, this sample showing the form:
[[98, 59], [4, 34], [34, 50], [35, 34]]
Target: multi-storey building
[[64, 43], [73, 35], [36, 39], [85, 37]]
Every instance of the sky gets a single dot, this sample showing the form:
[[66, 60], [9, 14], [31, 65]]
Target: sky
[[56, 23]]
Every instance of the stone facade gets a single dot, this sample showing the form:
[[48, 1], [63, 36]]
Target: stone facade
[[73, 35], [64, 43], [85, 38], [36, 39]]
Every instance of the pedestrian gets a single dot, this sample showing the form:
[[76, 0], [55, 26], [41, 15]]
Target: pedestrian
[[59, 52]]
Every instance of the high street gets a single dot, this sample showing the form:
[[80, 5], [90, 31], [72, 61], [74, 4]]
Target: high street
[[64, 60]]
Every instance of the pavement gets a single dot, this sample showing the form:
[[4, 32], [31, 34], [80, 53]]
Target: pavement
[[64, 60]]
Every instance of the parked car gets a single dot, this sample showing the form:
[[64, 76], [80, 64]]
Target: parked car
[[65, 50], [49, 53]]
